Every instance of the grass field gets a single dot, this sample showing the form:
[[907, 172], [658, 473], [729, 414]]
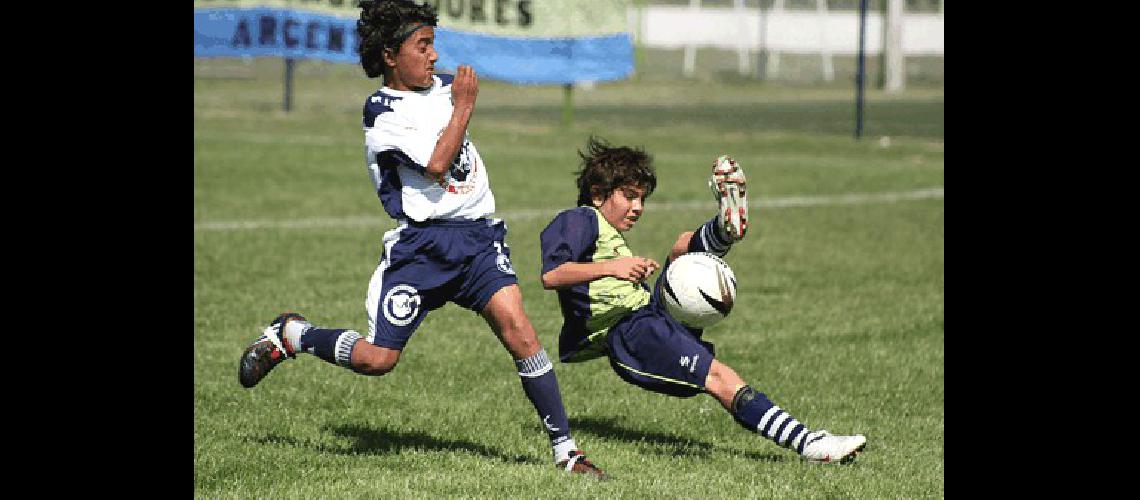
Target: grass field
[[840, 315]]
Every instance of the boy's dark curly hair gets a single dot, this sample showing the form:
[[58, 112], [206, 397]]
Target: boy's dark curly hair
[[385, 24], [606, 168]]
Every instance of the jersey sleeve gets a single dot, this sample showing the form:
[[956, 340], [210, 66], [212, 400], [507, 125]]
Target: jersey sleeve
[[571, 237], [391, 131]]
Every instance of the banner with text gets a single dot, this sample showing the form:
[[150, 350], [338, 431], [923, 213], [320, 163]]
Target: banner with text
[[521, 41]]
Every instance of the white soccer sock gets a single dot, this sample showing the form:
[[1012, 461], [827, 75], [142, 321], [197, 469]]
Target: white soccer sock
[[293, 331], [562, 450]]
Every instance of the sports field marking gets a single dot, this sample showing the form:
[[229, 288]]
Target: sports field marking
[[509, 215]]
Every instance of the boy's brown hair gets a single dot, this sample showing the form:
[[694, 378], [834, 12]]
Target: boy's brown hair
[[606, 168]]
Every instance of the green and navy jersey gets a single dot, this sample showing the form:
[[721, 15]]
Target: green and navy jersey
[[588, 309]]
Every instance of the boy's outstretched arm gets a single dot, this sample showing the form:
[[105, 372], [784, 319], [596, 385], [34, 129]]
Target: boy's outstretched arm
[[632, 269]]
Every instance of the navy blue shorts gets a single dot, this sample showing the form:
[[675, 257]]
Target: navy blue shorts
[[650, 349], [426, 265]]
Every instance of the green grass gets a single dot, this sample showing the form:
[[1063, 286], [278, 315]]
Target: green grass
[[840, 315]]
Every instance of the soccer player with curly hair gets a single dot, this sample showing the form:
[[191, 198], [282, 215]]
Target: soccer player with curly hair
[[609, 311], [446, 246]]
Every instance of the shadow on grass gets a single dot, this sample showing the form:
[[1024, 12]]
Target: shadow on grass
[[676, 446], [384, 441], [764, 457], [656, 442]]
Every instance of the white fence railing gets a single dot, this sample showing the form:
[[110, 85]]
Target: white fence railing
[[790, 31]]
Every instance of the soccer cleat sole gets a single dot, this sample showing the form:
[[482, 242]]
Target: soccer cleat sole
[[730, 186], [735, 203]]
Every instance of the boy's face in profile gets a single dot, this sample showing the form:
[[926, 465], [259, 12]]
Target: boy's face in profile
[[415, 61], [622, 207]]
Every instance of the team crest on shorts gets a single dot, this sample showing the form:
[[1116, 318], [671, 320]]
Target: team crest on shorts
[[504, 264], [401, 305]]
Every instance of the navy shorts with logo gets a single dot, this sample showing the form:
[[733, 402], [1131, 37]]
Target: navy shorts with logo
[[652, 350], [425, 265]]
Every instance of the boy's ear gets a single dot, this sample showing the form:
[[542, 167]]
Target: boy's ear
[[598, 201], [389, 57]]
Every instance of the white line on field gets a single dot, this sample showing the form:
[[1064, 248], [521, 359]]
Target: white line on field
[[525, 214]]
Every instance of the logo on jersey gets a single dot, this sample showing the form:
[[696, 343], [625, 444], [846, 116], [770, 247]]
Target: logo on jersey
[[401, 305], [504, 264], [461, 165]]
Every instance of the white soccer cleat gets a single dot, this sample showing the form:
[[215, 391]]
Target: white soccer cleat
[[823, 448], [728, 186]]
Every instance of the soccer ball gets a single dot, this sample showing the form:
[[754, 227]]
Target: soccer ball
[[699, 289]]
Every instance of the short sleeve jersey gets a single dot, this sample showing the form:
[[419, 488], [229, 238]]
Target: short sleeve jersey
[[401, 129], [588, 309]]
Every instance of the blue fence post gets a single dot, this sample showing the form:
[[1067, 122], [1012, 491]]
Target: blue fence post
[[289, 63]]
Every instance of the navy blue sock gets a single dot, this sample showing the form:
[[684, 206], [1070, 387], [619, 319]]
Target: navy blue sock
[[707, 238], [756, 413], [541, 387], [332, 345]]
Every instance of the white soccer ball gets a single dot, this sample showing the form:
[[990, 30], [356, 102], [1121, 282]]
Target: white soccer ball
[[699, 289]]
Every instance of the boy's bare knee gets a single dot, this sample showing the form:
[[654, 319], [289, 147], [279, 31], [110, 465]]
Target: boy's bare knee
[[519, 338], [523, 343], [368, 359]]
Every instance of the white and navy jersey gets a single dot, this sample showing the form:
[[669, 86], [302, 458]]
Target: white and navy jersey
[[401, 129]]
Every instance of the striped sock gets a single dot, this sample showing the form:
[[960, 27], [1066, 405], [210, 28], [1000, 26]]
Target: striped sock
[[756, 413], [707, 238]]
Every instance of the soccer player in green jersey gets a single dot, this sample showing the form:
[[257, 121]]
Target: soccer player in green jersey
[[609, 311]]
